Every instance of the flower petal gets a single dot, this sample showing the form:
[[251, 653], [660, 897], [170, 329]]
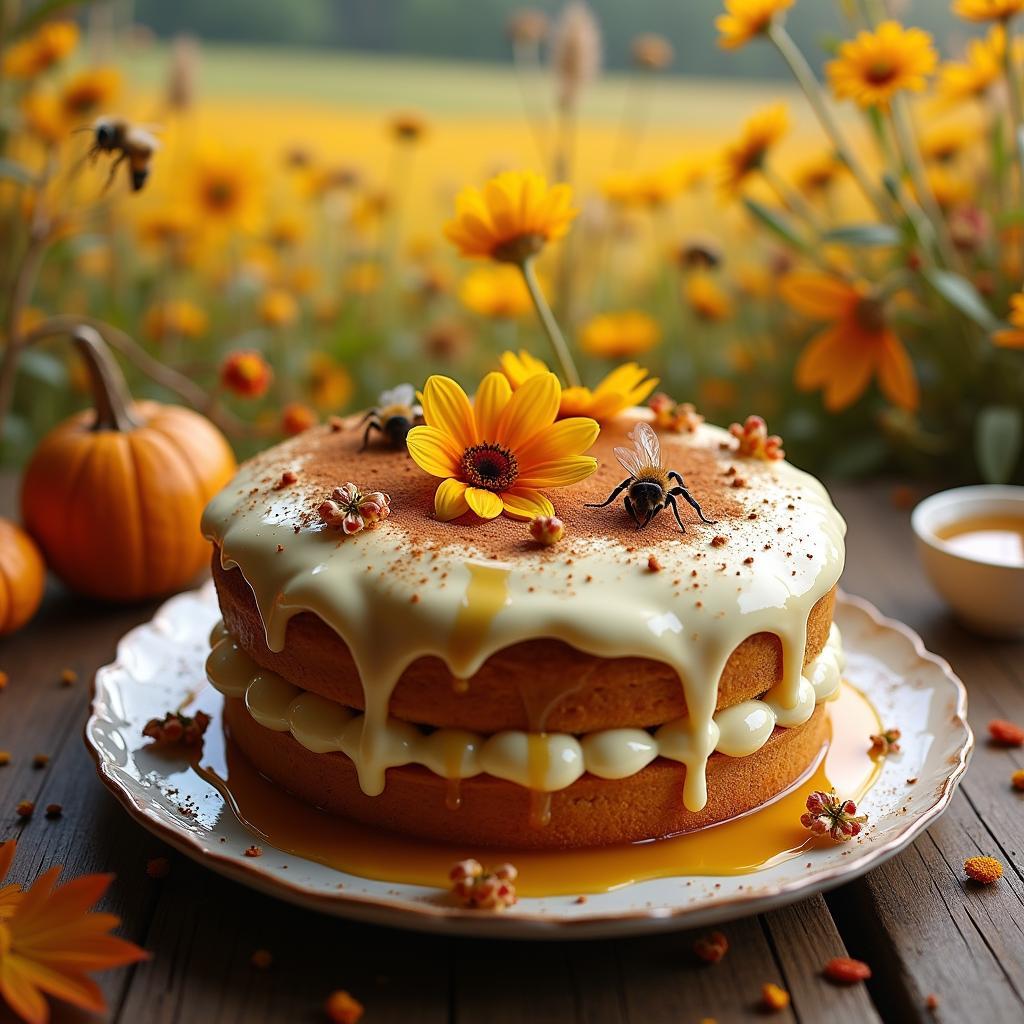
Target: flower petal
[[450, 500], [446, 406], [490, 402], [526, 503], [817, 295], [896, 373], [559, 472], [572, 436], [486, 504], [533, 408], [432, 450]]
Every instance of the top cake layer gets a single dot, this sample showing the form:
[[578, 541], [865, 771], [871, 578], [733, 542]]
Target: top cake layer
[[412, 586]]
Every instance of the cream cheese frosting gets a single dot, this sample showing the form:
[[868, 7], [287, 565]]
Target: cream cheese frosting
[[394, 595], [325, 726]]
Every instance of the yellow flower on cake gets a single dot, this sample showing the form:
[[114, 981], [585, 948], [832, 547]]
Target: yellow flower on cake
[[1012, 336], [617, 335], [511, 218], [624, 387], [873, 67], [857, 345], [742, 158], [50, 941], [744, 20], [499, 452], [988, 10], [498, 292]]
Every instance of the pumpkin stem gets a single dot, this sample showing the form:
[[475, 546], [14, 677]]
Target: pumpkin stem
[[110, 392]]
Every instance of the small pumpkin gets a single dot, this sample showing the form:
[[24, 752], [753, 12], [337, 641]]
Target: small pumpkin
[[114, 495], [22, 577]]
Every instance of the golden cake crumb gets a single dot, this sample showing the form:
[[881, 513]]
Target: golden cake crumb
[[984, 870]]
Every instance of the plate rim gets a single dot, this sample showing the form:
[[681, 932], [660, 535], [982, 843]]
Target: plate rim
[[418, 916]]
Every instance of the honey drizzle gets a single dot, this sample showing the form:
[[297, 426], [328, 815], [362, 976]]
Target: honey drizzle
[[765, 837]]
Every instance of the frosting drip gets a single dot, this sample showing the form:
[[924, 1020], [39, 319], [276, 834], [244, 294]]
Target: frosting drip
[[544, 762], [395, 594]]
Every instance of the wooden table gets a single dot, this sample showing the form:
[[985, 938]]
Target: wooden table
[[914, 920]]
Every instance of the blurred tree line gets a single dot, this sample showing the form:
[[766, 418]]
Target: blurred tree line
[[474, 29]]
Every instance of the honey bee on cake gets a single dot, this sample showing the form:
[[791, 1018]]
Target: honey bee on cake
[[647, 486], [394, 415], [132, 143]]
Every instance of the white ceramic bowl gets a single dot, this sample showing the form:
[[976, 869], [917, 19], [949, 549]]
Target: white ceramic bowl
[[986, 596]]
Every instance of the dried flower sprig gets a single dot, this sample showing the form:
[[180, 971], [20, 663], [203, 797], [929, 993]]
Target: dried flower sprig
[[678, 417], [984, 870], [885, 742], [826, 813], [755, 442], [177, 728], [349, 510], [547, 530], [491, 889]]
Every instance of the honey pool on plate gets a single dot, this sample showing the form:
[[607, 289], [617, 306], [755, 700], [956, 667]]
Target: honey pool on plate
[[745, 844], [995, 538]]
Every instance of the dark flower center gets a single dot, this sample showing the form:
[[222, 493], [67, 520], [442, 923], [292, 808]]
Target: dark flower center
[[881, 72], [489, 466], [870, 315]]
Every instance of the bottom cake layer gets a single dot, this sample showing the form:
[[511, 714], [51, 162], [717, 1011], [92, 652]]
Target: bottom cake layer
[[485, 811]]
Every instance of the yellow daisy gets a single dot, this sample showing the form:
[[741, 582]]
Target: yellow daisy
[[50, 43], [511, 218], [742, 158], [972, 78], [706, 298], [497, 452], [988, 10], [624, 387], [871, 68], [224, 190], [744, 20], [617, 335], [88, 92]]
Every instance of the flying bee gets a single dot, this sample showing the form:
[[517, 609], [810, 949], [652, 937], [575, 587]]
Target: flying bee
[[131, 143], [395, 414], [648, 481]]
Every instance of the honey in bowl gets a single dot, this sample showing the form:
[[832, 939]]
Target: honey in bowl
[[998, 539]]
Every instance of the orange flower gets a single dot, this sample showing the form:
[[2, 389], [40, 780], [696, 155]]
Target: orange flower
[[51, 42], [1013, 336], [627, 385], [246, 373], [857, 345], [746, 155], [496, 452], [278, 308], [296, 417], [988, 10], [706, 298], [49, 941], [89, 91], [175, 318]]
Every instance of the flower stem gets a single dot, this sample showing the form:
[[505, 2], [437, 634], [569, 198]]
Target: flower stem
[[550, 325], [812, 90], [790, 197]]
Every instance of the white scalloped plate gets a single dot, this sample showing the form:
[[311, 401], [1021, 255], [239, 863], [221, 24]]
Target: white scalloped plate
[[160, 664]]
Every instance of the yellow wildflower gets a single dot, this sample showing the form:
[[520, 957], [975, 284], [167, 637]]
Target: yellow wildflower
[[1013, 336], [48, 45], [706, 298], [874, 66], [511, 218], [759, 133], [744, 20], [175, 318], [617, 335], [988, 10], [497, 292]]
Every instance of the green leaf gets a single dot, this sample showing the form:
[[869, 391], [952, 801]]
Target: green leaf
[[1009, 218], [44, 367], [998, 435], [962, 295], [13, 171], [864, 235], [776, 222]]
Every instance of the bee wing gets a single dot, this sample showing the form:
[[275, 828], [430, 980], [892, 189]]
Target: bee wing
[[629, 460], [142, 138], [647, 445], [401, 394]]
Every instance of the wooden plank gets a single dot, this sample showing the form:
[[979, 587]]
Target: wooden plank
[[921, 926]]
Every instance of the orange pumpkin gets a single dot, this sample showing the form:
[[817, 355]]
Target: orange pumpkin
[[114, 495], [22, 577]]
